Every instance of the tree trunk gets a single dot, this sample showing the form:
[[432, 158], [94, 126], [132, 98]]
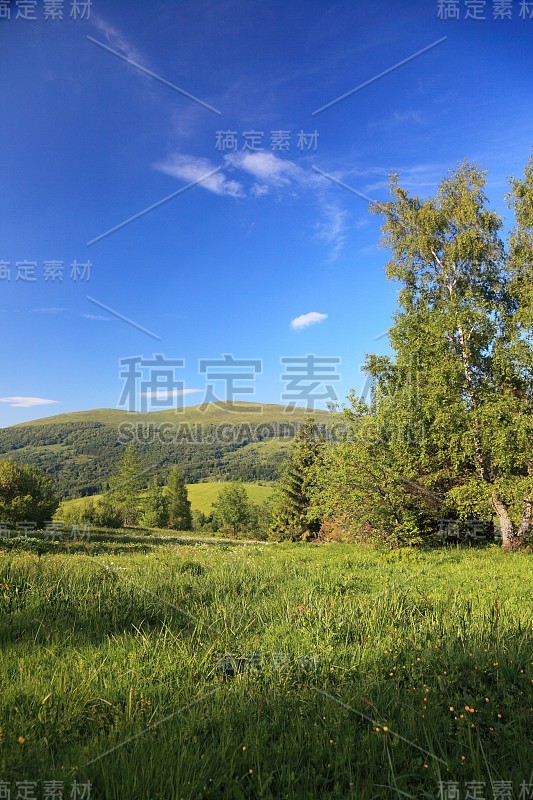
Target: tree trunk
[[527, 519], [465, 356], [511, 539]]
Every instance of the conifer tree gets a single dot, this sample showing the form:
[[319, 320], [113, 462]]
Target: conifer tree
[[155, 506], [291, 515], [179, 506], [125, 485]]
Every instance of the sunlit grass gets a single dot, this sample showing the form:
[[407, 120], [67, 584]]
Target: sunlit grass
[[201, 495], [353, 673]]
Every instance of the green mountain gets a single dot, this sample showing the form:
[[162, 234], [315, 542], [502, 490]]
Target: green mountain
[[207, 414], [226, 441]]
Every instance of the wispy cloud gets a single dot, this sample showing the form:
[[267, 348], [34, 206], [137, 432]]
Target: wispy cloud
[[118, 315], [48, 310], [269, 174], [333, 228], [259, 189], [415, 176], [26, 402], [117, 40], [270, 169], [373, 180], [267, 170], [304, 320], [272, 173], [191, 168], [128, 55], [97, 317], [399, 118]]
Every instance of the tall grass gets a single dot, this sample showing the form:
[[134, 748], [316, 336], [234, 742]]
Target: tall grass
[[264, 671]]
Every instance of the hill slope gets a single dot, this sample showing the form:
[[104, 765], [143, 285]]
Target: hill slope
[[206, 414], [229, 441], [201, 495]]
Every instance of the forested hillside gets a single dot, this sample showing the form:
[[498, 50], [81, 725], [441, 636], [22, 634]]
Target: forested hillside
[[79, 455]]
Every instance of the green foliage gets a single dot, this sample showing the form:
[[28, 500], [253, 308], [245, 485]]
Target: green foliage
[[179, 506], [360, 493], [204, 522], [100, 512], [254, 523], [26, 494], [155, 512], [449, 426], [259, 519], [124, 487], [461, 383], [107, 514], [521, 250], [79, 456], [293, 517], [233, 510]]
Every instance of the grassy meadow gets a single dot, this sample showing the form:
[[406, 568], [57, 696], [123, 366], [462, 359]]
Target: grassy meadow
[[201, 495], [166, 667]]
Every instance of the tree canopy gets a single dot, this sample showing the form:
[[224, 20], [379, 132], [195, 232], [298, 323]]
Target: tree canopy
[[448, 429], [179, 506], [26, 495], [293, 516]]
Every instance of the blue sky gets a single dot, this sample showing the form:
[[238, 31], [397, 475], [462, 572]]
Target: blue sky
[[88, 140]]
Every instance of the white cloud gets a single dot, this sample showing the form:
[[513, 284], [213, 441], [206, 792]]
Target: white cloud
[[270, 174], [398, 118], [268, 168], [26, 402], [307, 319], [97, 317], [117, 41], [332, 229], [191, 168], [259, 189], [273, 173]]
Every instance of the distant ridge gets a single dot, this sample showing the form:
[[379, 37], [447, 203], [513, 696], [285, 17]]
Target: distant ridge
[[220, 441], [207, 414]]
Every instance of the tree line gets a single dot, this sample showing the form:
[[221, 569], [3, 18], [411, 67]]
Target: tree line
[[27, 495], [88, 453], [125, 503], [446, 434]]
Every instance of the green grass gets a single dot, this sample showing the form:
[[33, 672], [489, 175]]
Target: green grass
[[210, 414], [227, 441], [201, 495], [111, 668]]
